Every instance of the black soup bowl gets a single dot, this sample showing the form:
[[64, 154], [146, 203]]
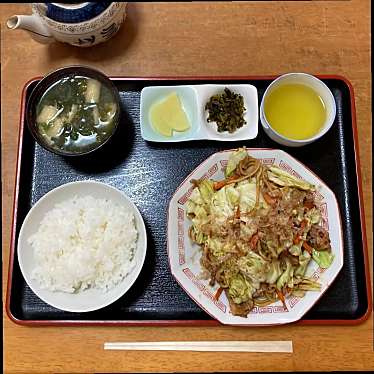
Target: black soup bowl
[[73, 111]]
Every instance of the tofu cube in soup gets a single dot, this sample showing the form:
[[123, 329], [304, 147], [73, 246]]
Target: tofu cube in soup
[[93, 91], [47, 114]]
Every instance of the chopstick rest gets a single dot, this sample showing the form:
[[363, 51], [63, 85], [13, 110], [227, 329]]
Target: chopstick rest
[[204, 346]]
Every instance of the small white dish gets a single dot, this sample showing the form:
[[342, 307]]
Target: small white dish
[[319, 87], [89, 299], [184, 256], [193, 99]]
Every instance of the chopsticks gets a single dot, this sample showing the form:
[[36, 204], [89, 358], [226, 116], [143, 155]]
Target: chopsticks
[[204, 346]]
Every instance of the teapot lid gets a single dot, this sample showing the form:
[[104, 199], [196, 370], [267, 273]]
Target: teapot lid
[[74, 11]]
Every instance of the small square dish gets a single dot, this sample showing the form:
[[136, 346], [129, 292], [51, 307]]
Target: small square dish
[[193, 99]]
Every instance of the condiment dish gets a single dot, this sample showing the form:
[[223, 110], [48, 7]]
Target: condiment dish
[[193, 100]]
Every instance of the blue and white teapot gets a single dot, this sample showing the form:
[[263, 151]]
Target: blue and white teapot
[[80, 24]]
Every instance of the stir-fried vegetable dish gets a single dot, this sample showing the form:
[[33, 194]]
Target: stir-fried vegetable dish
[[258, 229]]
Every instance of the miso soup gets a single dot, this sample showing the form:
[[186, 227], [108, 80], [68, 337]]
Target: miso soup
[[76, 114]]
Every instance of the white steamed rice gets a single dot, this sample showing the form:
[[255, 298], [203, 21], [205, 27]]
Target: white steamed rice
[[84, 242]]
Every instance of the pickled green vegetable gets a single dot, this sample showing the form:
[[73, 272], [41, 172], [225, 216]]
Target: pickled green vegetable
[[226, 110]]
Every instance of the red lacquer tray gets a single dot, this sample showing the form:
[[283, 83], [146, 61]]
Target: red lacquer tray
[[149, 173]]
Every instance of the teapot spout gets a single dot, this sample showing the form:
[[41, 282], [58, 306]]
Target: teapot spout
[[33, 25]]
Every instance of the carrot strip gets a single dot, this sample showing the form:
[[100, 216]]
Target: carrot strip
[[218, 185], [308, 248], [218, 293], [281, 298], [303, 224], [297, 239], [270, 200], [253, 241], [308, 205], [237, 213]]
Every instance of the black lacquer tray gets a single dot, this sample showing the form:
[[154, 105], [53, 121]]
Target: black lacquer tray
[[149, 173]]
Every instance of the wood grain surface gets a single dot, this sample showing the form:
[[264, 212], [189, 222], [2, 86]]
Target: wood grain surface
[[223, 38]]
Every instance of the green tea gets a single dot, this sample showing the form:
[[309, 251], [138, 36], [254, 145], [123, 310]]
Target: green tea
[[295, 111]]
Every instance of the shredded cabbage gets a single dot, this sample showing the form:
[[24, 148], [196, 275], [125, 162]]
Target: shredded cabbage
[[234, 160], [323, 258], [283, 178], [240, 289], [206, 190], [274, 272], [313, 216], [285, 277], [253, 267], [304, 260], [247, 195]]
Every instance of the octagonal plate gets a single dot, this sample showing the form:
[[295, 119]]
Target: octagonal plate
[[184, 256]]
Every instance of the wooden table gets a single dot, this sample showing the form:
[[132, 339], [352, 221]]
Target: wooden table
[[254, 38]]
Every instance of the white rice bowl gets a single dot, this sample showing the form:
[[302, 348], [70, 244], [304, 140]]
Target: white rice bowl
[[82, 246]]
